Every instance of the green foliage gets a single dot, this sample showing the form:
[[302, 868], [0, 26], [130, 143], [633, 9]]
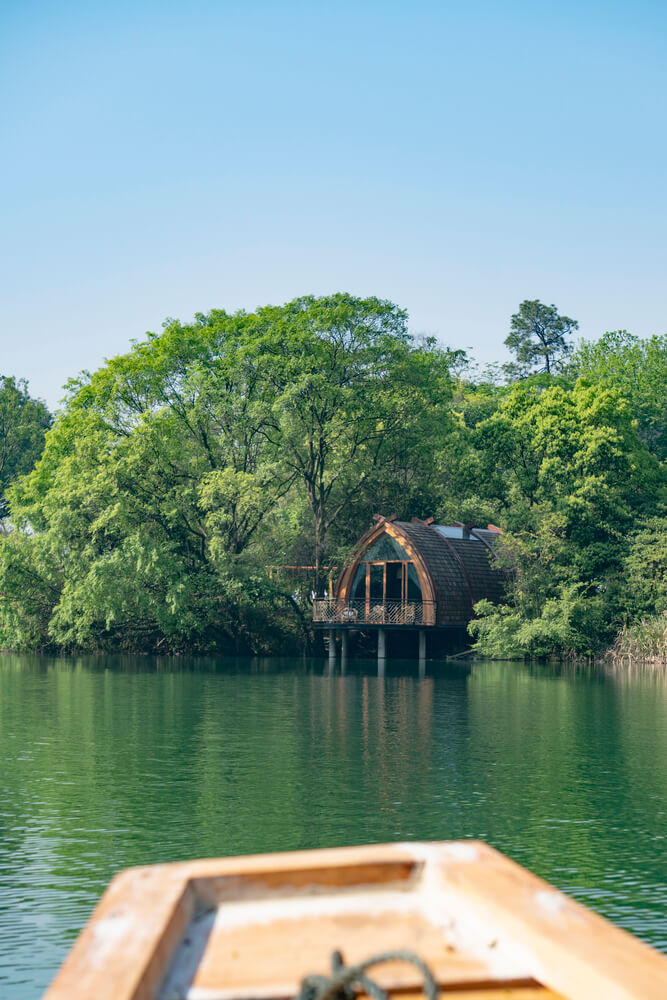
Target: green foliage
[[538, 338], [30, 587], [23, 423], [644, 641], [507, 632], [574, 450], [645, 569], [164, 483], [638, 369], [179, 471], [570, 476], [356, 404]]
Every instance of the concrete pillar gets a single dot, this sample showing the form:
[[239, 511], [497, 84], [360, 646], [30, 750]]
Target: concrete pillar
[[343, 648], [332, 646], [422, 652], [382, 644]]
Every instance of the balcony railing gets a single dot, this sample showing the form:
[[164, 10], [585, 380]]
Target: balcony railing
[[331, 611]]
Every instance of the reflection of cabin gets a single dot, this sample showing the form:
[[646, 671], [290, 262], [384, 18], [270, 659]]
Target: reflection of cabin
[[413, 576]]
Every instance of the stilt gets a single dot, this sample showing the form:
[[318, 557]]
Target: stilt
[[382, 647], [332, 647], [343, 648], [422, 652]]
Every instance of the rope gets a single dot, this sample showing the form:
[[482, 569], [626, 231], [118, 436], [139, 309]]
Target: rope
[[346, 981]]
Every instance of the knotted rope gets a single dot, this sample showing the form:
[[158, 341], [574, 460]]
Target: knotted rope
[[346, 981]]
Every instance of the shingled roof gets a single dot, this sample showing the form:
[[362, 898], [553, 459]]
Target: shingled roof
[[461, 569], [455, 564]]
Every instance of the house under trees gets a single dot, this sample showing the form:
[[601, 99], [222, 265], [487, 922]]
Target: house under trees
[[412, 583]]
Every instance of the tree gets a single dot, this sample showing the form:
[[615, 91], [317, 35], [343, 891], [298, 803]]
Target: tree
[[23, 424], [355, 399], [152, 483], [150, 518], [537, 338], [639, 369], [645, 570], [180, 470], [570, 478]]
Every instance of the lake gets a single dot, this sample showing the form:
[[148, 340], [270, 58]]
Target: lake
[[107, 762]]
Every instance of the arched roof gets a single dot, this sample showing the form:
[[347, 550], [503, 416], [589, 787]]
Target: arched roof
[[454, 566]]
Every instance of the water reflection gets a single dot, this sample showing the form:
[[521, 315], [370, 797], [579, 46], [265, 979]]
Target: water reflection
[[111, 762]]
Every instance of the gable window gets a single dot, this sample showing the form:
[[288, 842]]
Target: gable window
[[385, 574]]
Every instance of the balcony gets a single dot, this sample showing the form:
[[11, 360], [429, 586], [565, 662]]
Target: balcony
[[330, 611]]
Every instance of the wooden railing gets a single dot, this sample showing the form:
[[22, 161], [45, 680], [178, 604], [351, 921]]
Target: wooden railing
[[330, 611]]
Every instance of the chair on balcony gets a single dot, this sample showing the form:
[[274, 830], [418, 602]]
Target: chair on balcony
[[410, 614]]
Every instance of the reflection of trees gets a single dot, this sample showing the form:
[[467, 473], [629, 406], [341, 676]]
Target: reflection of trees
[[640, 820], [109, 763], [246, 776], [368, 732], [572, 770], [527, 728]]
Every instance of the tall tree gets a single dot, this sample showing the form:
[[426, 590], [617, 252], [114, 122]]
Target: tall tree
[[147, 511], [570, 478], [23, 424], [150, 488], [538, 338], [639, 369], [351, 392]]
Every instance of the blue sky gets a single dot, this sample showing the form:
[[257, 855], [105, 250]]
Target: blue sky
[[161, 159]]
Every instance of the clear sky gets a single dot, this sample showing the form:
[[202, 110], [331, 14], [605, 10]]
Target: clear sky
[[164, 158]]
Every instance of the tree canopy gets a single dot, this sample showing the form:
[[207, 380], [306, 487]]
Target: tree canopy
[[180, 471], [570, 478], [23, 424], [638, 368], [538, 338], [167, 482]]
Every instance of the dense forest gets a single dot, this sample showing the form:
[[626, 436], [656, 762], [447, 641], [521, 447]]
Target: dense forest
[[144, 515]]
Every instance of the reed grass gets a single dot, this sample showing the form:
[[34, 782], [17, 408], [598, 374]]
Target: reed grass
[[645, 641]]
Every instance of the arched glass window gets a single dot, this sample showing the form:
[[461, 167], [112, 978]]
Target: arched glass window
[[385, 574], [358, 590], [386, 549]]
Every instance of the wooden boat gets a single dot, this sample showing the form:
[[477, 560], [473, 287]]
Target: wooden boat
[[252, 928]]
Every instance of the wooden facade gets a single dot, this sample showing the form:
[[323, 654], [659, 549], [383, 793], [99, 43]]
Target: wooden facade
[[415, 574]]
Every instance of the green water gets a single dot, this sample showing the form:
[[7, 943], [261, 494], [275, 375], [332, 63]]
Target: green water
[[108, 762]]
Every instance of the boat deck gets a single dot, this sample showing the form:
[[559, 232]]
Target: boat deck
[[252, 928]]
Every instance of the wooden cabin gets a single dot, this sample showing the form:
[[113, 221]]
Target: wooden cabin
[[413, 576]]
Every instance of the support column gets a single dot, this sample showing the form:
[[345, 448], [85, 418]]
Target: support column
[[343, 648], [382, 651], [332, 646], [422, 652]]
